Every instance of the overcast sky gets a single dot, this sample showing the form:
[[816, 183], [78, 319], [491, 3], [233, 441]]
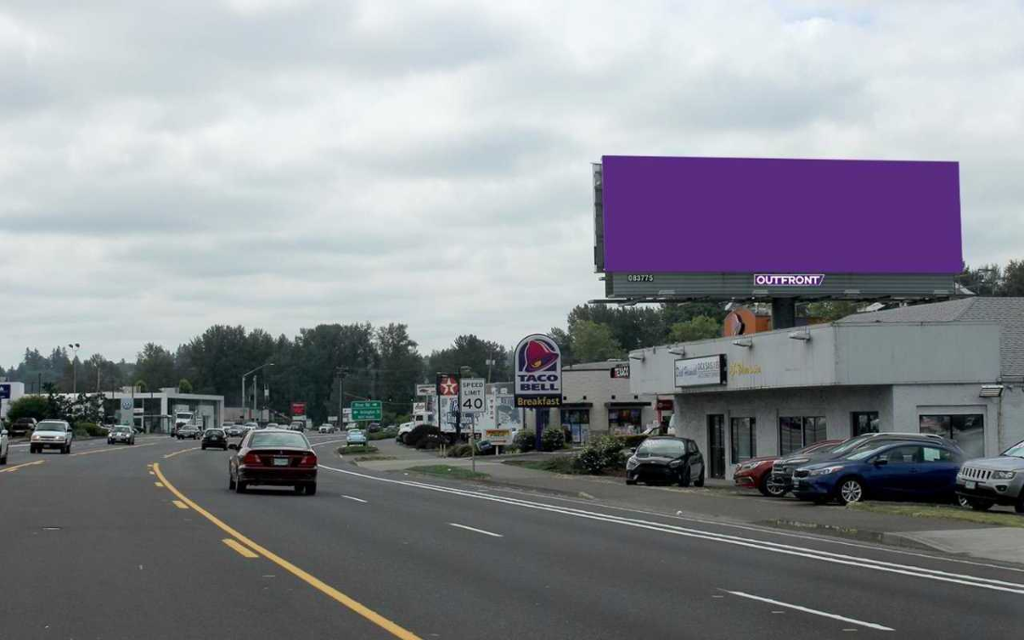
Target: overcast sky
[[165, 166]]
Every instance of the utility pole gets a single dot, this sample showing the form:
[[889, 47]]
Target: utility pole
[[341, 372]]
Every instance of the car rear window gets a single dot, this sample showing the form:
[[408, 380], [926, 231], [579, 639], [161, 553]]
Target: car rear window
[[215, 432], [280, 439]]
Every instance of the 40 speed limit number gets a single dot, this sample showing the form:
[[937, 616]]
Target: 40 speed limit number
[[471, 395]]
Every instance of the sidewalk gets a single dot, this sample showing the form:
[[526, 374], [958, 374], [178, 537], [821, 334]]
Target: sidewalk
[[721, 501]]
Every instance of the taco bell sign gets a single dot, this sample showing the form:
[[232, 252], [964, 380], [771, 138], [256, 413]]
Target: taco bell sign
[[538, 373], [788, 279]]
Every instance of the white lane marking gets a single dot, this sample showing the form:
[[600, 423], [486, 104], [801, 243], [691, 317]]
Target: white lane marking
[[816, 612], [355, 499], [761, 545], [474, 530], [318, 444]]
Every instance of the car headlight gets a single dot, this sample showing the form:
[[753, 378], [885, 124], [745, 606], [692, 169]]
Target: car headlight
[[824, 472], [632, 463], [747, 466], [675, 463], [1003, 475]]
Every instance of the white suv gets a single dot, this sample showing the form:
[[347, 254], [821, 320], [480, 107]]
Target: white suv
[[51, 434]]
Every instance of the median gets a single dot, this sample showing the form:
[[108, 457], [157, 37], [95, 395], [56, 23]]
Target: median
[[444, 471]]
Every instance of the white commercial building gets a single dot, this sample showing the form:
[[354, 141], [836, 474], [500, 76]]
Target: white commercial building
[[954, 368]]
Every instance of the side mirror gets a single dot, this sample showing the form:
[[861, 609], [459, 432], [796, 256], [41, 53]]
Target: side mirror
[[233, 447], [879, 462]]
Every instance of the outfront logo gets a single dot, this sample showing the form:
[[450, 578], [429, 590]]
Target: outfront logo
[[788, 279], [538, 372]]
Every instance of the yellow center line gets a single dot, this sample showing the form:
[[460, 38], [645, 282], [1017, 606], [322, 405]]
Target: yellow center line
[[21, 466], [178, 453], [245, 552], [180, 504], [321, 586], [111, 449]]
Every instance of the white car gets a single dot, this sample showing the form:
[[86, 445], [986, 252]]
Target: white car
[[326, 428], [5, 445], [51, 434]]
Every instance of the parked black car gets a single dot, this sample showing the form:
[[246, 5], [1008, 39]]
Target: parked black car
[[214, 438], [783, 468], [663, 459]]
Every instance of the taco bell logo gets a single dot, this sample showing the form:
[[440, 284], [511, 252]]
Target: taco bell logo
[[789, 279], [538, 379]]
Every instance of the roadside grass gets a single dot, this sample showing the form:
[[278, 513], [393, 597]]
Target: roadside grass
[[554, 464], [357, 450], [444, 471], [948, 512]]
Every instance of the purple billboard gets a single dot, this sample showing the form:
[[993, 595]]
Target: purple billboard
[[772, 216]]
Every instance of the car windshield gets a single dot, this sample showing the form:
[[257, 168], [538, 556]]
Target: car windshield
[[1016, 451], [851, 444], [667, 448], [50, 426], [818, 448], [122, 430], [281, 439]]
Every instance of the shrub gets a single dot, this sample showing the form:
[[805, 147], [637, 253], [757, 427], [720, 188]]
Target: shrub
[[357, 449], [524, 441], [420, 432], [28, 407], [631, 441], [552, 439], [601, 454], [83, 429]]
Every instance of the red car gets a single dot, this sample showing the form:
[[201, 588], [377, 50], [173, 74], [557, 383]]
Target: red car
[[273, 457], [756, 473]]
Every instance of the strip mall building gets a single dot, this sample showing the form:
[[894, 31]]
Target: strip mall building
[[953, 368]]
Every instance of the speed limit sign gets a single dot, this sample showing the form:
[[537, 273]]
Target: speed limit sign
[[471, 395]]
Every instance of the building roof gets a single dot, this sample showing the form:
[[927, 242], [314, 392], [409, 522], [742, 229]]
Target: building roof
[[1008, 313], [595, 366]]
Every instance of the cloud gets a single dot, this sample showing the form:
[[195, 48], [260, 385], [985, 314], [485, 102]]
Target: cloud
[[279, 163]]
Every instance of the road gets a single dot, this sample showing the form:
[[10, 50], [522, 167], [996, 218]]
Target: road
[[116, 542]]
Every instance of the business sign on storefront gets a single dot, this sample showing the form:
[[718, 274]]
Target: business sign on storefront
[[448, 402], [702, 371], [538, 372], [620, 370], [298, 409], [426, 390]]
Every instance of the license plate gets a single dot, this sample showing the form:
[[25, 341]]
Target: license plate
[[280, 462], [971, 485]]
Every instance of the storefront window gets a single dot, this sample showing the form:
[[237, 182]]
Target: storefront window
[[967, 430], [578, 421], [625, 421], [864, 422], [795, 433], [744, 439]]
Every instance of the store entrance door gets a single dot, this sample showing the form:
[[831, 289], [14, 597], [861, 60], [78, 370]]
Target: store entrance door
[[716, 446]]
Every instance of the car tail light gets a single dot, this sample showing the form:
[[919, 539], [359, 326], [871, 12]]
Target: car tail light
[[251, 458], [308, 460]]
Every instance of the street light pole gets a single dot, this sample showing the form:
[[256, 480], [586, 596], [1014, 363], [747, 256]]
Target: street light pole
[[74, 346], [246, 375]]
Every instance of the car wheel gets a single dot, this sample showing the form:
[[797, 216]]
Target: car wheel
[[772, 489], [298, 489], [684, 476], [699, 482], [204, 447], [979, 505], [3, 460], [964, 502], [311, 489], [239, 486], [851, 490], [231, 482], [630, 482], [1019, 507]]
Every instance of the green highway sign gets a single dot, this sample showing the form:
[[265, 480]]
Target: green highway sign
[[366, 410]]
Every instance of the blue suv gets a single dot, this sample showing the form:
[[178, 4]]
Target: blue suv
[[895, 470]]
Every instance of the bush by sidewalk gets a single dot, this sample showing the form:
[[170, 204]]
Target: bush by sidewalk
[[359, 449], [603, 454]]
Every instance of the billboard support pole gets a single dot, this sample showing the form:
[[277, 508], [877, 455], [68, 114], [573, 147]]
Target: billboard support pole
[[783, 313]]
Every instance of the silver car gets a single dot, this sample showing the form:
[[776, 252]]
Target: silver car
[[51, 434], [121, 434], [985, 482], [354, 437]]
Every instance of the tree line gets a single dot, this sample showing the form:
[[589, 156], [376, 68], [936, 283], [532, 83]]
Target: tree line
[[329, 362]]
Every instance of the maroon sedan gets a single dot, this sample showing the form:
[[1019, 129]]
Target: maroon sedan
[[756, 473], [273, 457]]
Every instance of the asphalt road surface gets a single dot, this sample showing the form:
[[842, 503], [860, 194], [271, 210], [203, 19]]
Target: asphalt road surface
[[140, 542]]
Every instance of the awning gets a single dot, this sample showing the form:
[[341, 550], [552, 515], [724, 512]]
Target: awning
[[636, 404], [577, 405]]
